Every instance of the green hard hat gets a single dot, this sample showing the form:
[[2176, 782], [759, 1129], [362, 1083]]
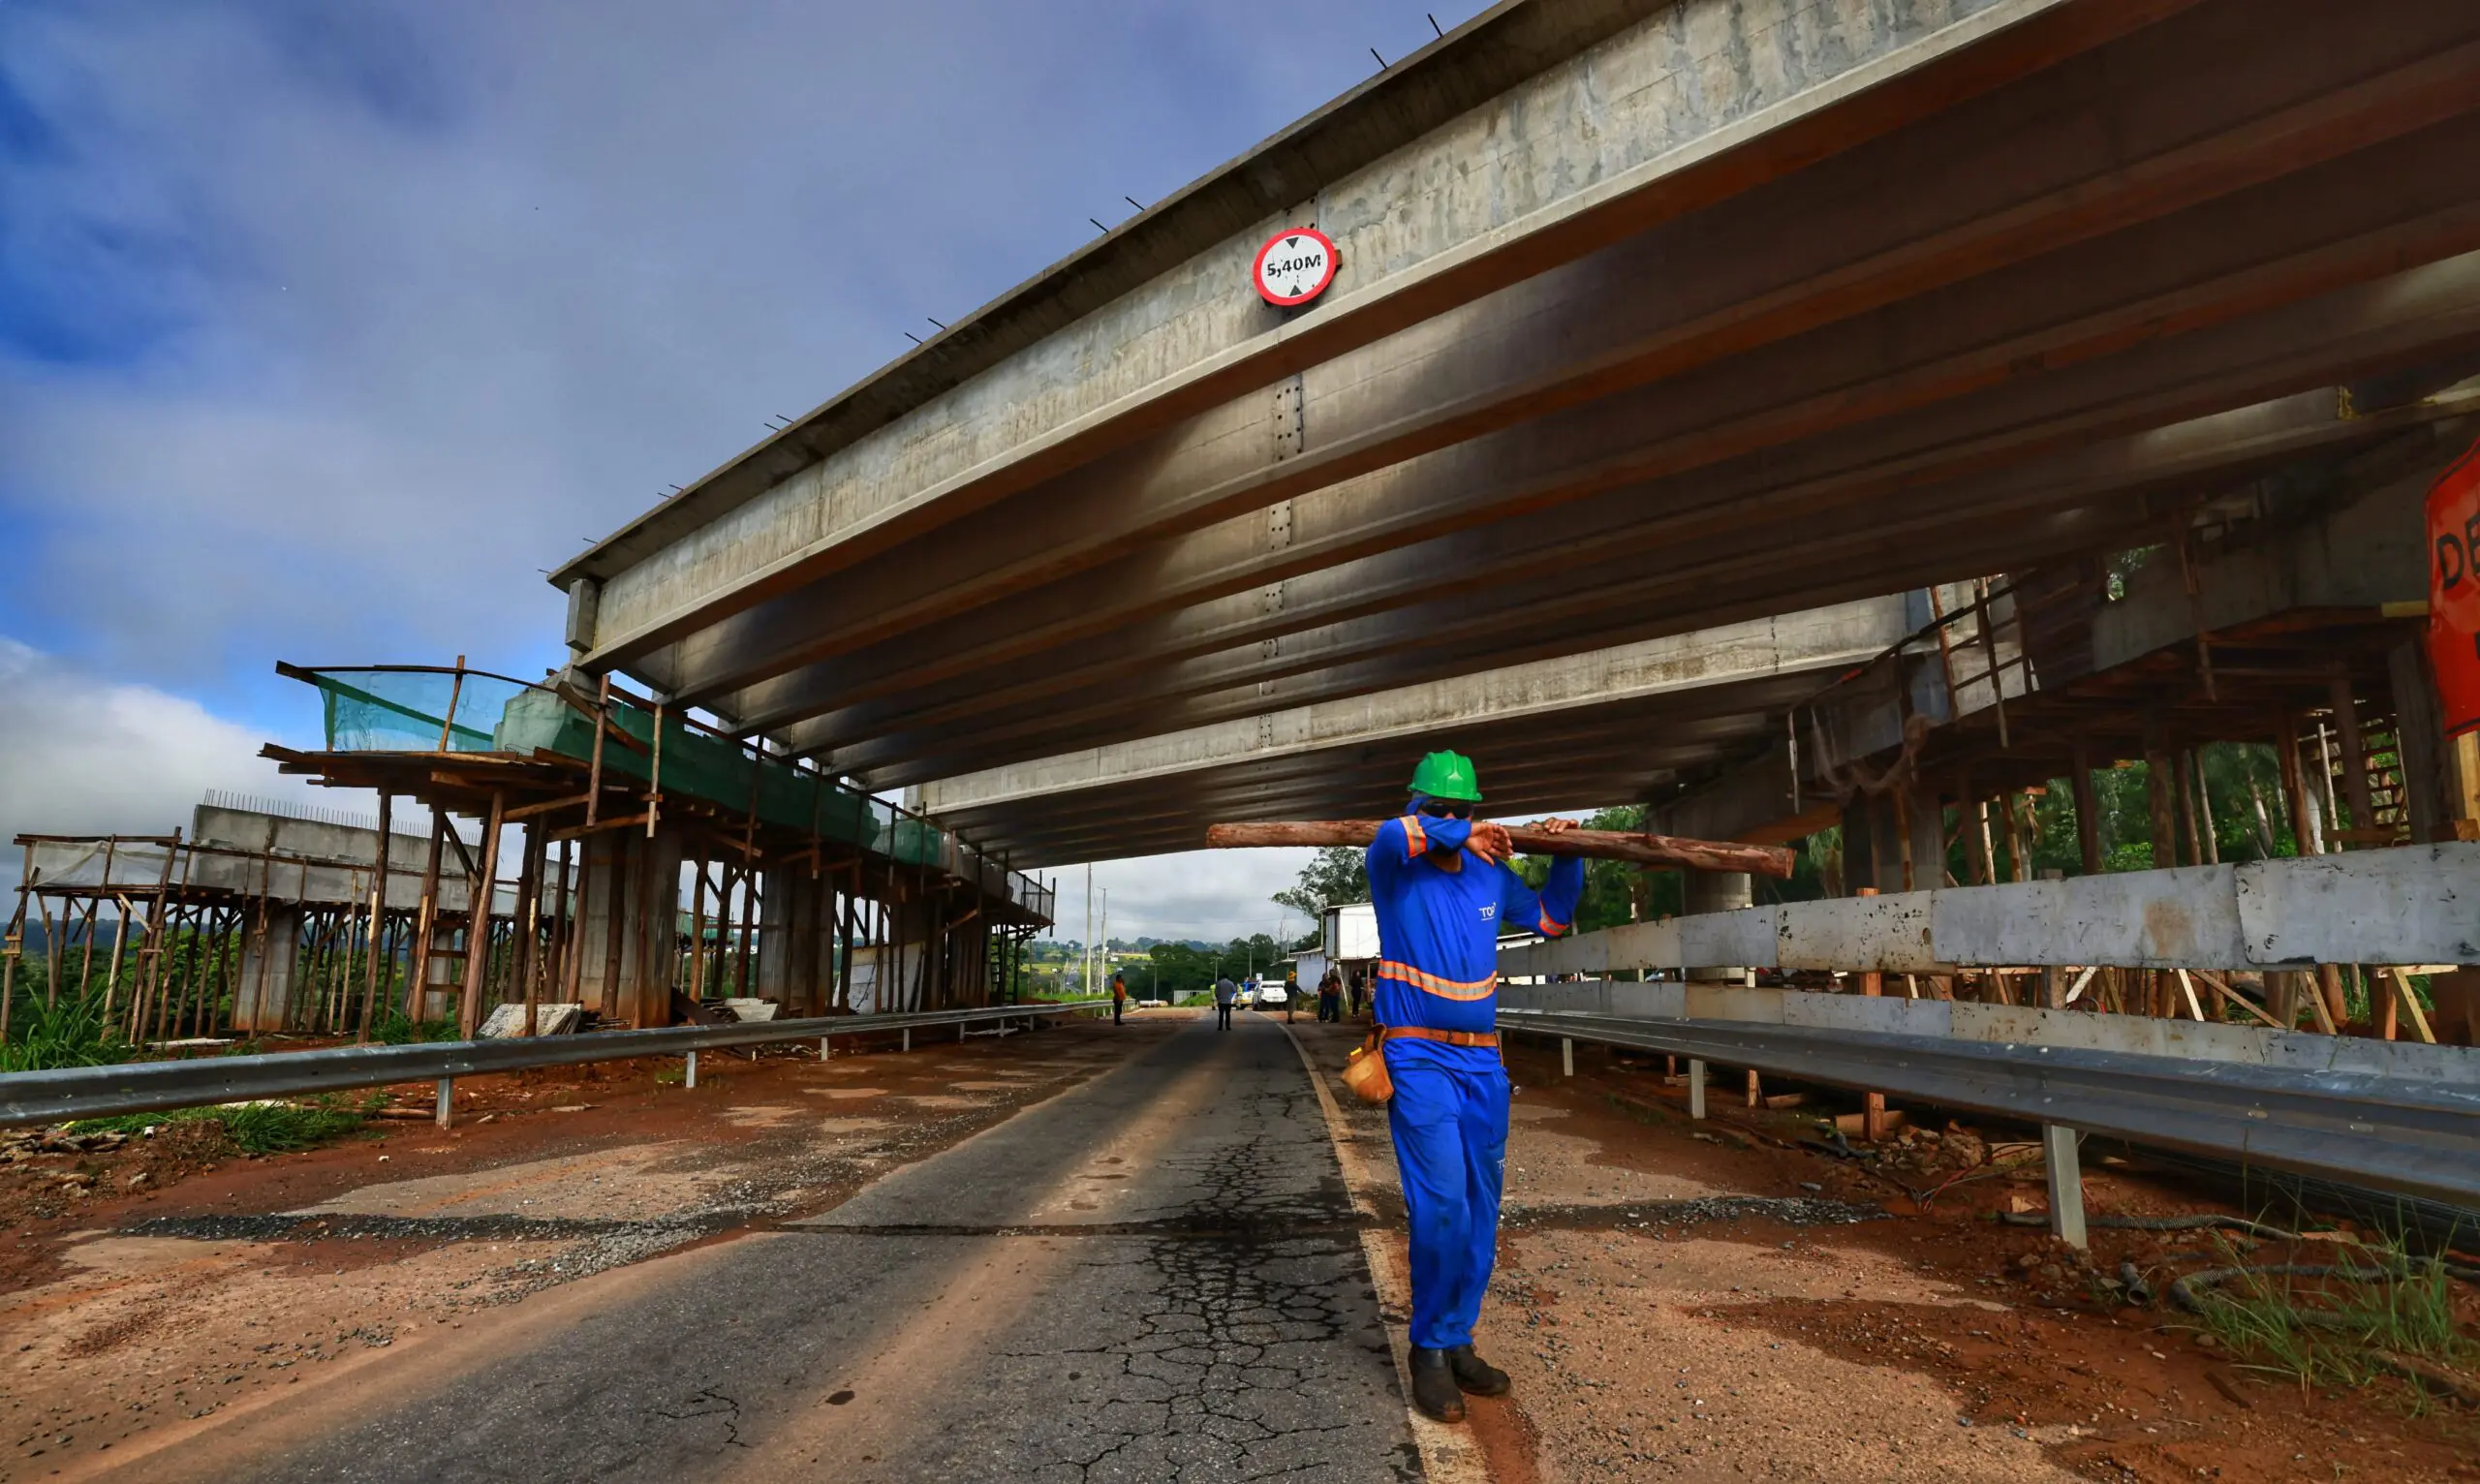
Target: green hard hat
[[1448, 776]]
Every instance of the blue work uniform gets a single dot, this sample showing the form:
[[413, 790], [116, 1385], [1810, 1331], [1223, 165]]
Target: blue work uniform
[[1437, 933]]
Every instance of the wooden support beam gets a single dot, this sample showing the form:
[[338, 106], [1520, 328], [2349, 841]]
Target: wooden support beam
[[1601, 845]]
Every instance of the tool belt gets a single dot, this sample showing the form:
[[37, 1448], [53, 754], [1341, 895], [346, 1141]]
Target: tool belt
[[1489, 1039], [1365, 1072]]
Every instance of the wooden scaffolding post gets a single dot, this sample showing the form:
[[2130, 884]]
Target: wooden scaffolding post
[[13, 946], [425, 922], [2160, 792], [2184, 762], [378, 915], [527, 958], [1873, 1105], [2203, 808], [2355, 781], [697, 930], [478, 922], [2087, 811]]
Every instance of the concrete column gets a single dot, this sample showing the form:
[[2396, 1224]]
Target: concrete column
[[263, 984], [1719, 891], [637, 879], [791, 913]]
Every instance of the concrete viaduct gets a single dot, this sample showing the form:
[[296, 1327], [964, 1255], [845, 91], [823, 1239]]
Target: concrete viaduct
[[1670, 338]]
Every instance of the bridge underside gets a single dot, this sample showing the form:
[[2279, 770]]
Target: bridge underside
[[1724, 336]]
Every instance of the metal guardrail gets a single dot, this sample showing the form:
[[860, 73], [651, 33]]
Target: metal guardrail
[[137, 1087], [2354, 1127]]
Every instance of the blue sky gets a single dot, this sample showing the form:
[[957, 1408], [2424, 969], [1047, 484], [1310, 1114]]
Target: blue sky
[[324, 328]]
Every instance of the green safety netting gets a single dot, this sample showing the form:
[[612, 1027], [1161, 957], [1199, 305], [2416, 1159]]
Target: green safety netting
[[410, 711]]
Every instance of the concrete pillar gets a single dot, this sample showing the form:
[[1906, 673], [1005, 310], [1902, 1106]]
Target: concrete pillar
[[263, 984], [1719, 891], [625, 970], [792, 916], [1695, 1088]]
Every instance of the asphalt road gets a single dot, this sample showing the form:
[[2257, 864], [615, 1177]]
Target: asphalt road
[[1155, 1277]]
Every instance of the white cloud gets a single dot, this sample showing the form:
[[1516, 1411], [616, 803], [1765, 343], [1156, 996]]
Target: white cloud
[[1214, 895], [80, 755]]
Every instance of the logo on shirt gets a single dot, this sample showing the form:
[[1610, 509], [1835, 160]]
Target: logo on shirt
[[1489, 910]]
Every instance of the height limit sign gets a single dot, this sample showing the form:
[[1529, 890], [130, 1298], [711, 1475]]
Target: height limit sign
[[1294, 267]]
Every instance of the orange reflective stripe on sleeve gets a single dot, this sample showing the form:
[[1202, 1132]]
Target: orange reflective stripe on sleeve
[[1417, 840], [1550, 929], [1431, 985]]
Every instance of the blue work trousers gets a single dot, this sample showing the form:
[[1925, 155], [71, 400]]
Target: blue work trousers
[[1450, 1118]]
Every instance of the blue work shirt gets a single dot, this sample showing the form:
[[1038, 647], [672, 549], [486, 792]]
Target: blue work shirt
[[1437, 930]]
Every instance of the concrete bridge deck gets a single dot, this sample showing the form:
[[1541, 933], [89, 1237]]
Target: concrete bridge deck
[[1701, 313]]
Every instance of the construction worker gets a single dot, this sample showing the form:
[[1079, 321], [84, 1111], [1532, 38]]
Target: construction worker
[[1443, 894], [1119, 996]]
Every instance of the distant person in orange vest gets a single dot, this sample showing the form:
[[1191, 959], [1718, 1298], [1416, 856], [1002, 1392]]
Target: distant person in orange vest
[[1119, 997]]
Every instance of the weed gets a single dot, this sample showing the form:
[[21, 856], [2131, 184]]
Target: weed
[[397, 1030], [2330, 1330], [253, 1127], [73, 1033]]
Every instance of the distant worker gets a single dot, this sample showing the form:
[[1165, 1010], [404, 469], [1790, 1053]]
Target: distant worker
[[1357, 989], [1290, 994], [1224, 993], [1330, 997], [1119, 996], [1443, 894]]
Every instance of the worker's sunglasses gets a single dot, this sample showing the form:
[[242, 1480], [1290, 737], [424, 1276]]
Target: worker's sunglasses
[[1438, 810]]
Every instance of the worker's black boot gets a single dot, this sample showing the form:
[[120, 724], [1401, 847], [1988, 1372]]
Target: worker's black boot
[[1434, 1389], [1475, 1375]]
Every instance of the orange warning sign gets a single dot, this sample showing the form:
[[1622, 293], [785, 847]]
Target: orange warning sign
[[2453, 591]]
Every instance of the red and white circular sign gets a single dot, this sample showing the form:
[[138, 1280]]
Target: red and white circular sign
[[1294, 267]]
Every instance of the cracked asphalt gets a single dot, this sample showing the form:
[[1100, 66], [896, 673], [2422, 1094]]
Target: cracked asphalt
[[1155, 1276]]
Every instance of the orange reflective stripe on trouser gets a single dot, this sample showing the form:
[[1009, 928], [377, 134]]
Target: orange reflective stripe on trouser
[[1417, 840], [1431, 985]]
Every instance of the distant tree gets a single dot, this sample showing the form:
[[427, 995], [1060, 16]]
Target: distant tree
[[1337, 874]]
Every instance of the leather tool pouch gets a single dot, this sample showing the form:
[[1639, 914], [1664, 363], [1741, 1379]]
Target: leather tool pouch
[[1366, 1073]]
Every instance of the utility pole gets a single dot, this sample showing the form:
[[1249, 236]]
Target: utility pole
[[1106, 931], [1089, 927]]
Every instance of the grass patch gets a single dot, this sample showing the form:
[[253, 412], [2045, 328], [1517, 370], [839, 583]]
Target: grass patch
[[2334, 1330], [75, 1032], [252, 1128], [397, 1030]]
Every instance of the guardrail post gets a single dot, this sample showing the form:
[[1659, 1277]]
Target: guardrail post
[[690, 1078], [1695, 1088], [446, 1099], [823, 1052], [1567, 1057], [2065, 1167]]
